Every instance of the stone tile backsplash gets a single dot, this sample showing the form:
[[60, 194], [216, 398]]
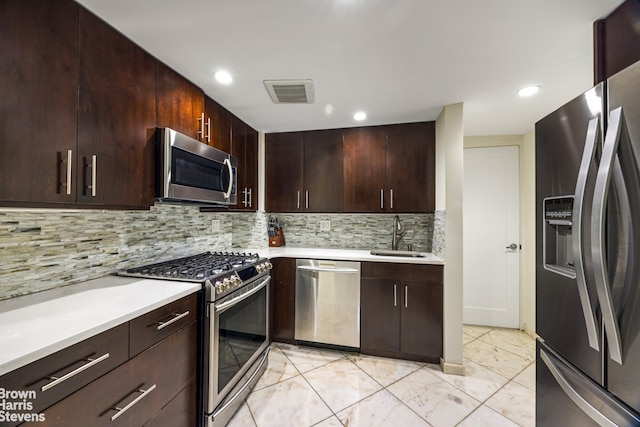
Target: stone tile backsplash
[[43, 249], [356, 231]]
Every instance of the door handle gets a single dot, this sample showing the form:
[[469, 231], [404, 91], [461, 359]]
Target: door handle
[[512, 246]]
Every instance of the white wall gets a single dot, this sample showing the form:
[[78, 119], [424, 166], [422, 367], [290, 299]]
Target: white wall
[[449, 189], [526, 144]]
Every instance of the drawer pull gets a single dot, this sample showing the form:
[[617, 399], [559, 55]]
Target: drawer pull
[[133, 402], [162, 325], [92, 362]]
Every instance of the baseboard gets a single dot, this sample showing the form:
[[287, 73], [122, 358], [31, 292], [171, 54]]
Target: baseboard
[[451, 368]]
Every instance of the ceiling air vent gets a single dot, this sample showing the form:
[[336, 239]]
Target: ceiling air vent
[[290, 91]]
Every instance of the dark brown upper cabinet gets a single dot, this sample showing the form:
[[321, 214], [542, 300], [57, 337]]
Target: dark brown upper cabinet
[[219, 125], [179, 103], [304, 171], [78, 109], [390, 168], [284, 158], [244, 146], [411, 167], [39, 101], [116, 118]]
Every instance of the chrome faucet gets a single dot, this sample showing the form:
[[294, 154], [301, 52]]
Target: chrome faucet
[[398, 232]]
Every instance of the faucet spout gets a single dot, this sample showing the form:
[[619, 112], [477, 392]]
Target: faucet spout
[[398, 232]]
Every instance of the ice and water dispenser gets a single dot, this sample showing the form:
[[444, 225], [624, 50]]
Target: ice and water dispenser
[[557, 235]]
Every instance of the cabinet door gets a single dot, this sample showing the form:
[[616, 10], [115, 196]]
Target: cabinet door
[[379, 316], [284, 163], [365, 164], [323, 168], [38, 99], [244, 145], [283, 299], [220, 118], [116, 118], [411, 167], [251, 167], [179, 104], [421, 319]]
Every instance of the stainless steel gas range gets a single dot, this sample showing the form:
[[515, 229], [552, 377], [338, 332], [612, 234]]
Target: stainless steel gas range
[[235, 327]]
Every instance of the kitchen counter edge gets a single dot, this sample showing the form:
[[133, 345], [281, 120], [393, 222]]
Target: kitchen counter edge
[[343, 255], [37, 325]]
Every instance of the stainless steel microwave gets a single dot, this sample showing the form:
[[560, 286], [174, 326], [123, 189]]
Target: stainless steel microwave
[[188, 170]]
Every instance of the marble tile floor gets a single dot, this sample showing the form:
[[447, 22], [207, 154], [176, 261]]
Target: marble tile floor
[[306, 386]]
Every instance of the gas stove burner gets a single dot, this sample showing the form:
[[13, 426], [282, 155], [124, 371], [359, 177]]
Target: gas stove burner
[[201, 267]]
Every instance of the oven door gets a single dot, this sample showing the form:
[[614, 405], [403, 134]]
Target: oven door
[[239, 335]]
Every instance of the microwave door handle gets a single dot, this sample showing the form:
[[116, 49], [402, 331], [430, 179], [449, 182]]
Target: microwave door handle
[[227, 194], [588, 157]]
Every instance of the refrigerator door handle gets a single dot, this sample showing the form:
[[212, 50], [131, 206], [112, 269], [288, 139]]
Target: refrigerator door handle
[[598, 232], [588, 157], [571, 392]]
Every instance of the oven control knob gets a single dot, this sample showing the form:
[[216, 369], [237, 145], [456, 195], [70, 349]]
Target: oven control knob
[[259, 267], [219, 287], [235, 281], [268, 265], [227, 284]]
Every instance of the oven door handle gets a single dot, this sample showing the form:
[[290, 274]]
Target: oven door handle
[[225, 305]]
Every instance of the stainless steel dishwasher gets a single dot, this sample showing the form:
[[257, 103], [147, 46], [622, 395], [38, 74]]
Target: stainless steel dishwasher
[[328, 302]]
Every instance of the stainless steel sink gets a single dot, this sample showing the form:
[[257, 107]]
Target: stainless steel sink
[[406, 254]]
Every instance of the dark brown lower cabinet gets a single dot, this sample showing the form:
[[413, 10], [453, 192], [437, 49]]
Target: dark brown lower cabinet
[[283, 299], [132, 393], [401, 311]]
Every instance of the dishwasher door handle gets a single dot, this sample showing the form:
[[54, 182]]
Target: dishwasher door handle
[[328, 269]]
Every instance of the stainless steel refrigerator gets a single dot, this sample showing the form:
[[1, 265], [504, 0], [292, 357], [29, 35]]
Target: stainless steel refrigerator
[[588, 258]]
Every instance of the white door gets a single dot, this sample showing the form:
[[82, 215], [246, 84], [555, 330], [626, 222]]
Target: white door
[[491, 254]]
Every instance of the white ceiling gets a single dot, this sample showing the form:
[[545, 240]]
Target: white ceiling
[[398, 60]]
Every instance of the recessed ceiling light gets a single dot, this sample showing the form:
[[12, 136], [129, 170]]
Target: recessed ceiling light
[[360, 116], [529, 90], [223, 77]]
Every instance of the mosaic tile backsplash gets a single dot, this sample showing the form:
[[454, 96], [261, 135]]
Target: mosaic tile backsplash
[[45, 249], [356, 231]]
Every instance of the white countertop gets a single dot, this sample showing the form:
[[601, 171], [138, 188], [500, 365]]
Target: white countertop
[[37, 325], [343, 255]]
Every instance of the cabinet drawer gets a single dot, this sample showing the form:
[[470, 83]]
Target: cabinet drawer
[[398, 271], [181, 411], [74, 367], [155, 326], [140, 387]]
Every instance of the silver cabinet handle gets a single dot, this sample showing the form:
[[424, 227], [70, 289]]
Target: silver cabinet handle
[[162, 325], [250, 197], [92, 362], [598, 231], [227, 194], [406, 296], [208, 136], [571, 392], [395, 295], [391, 198], [382, 198], [133, 402], [201, 131], [68, 182], [588, 156], [328, 269], [93, 166], [298, 202], [306, 199]]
